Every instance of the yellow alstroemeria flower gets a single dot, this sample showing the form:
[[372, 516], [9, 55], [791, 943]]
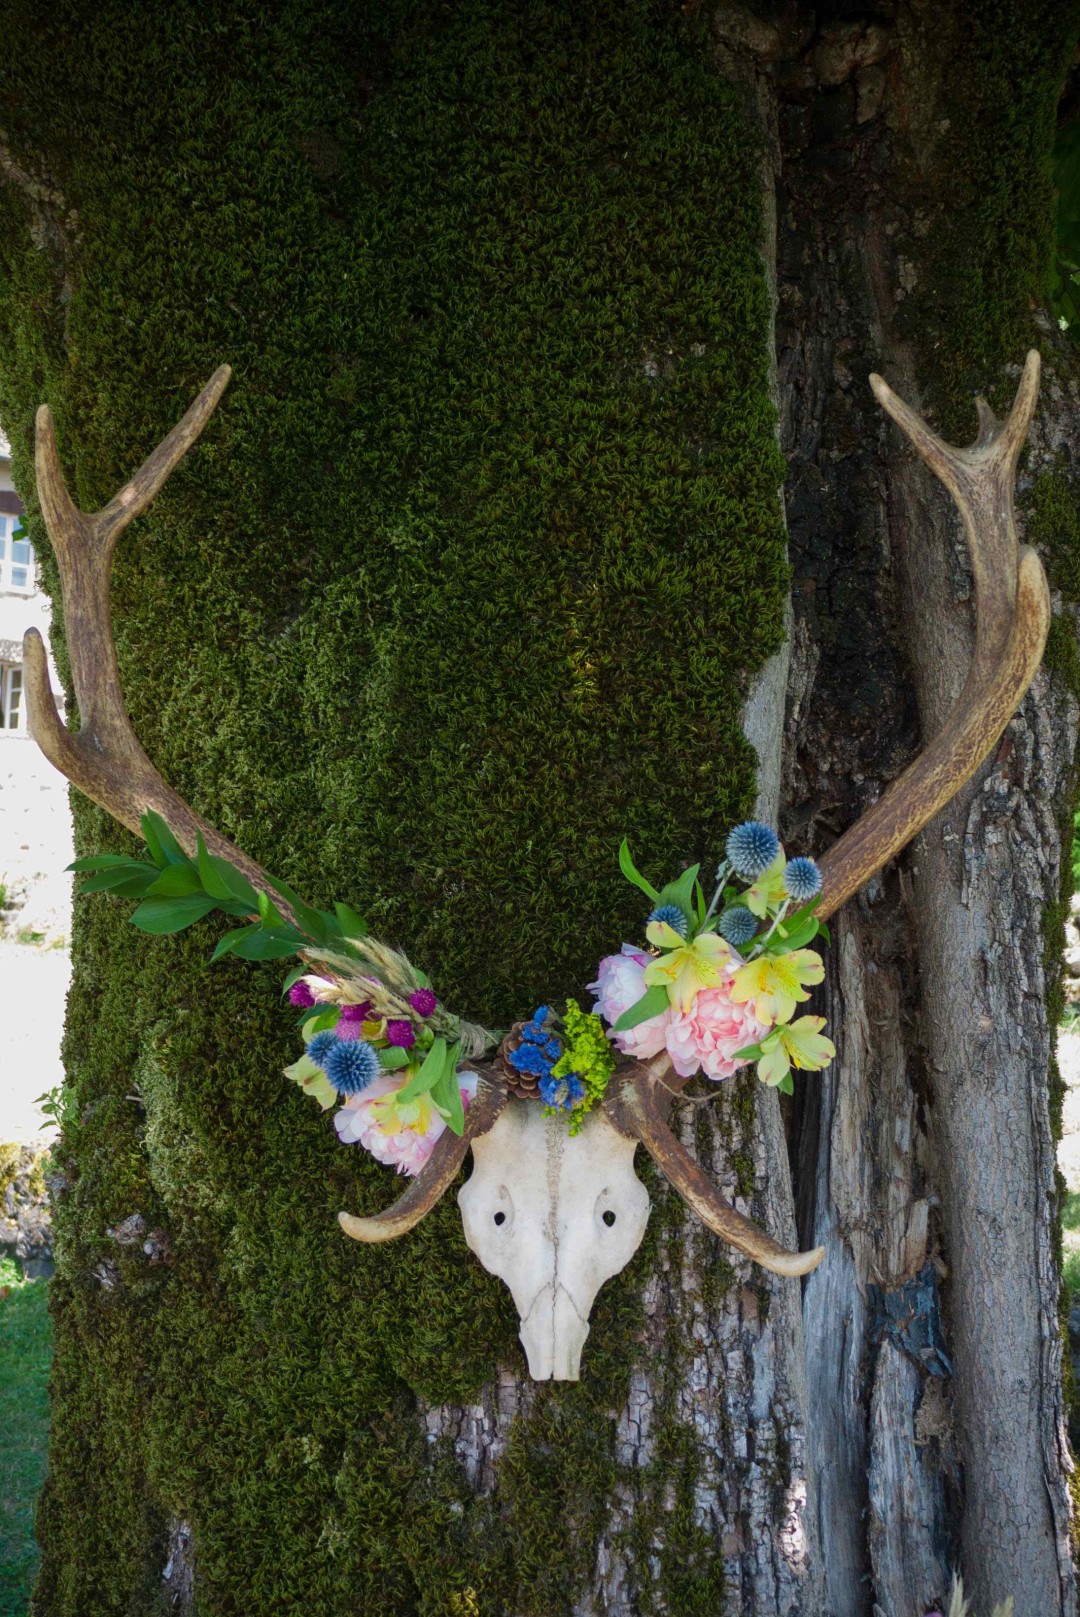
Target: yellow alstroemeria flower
[[394, 1116], [768, 891], [798, 1044], [775, 982], [685, 967]]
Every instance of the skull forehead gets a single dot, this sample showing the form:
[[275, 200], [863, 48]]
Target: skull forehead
[[533, 1207]]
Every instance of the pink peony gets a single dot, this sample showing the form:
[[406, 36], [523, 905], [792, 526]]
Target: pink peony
[[401, 1135], [707, 1036], [620, 984]]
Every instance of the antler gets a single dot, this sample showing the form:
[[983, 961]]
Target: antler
[[1012, 618], [437, 1174], [104, 758], [635, 1107]]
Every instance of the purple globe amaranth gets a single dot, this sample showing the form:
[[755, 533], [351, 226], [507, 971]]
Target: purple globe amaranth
[[356, 1013], [423, 1002], [401, 1033], [301, 996], [352, 1066], [752, 847]]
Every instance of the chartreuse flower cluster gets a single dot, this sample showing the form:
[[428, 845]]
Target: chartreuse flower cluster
[[718, 984], [569, 1056]]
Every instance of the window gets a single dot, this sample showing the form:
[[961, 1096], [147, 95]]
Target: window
[[11, 706], [16, 556]]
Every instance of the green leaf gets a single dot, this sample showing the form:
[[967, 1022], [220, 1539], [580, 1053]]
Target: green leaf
[[702, 907], [653, 1002], [222, 880], [392, 1058], [681, 892], [750, 1053], [311, 1012], [352, 925], [228, 943], [269, 914], [161, 915], [175, 881], [294, 976], [106, 861], [429, 1072], [130, 878], [446, 1093], [311, 920], [320, 1019], [267, 943], [163, 846], [786, 1086], [632, 874]]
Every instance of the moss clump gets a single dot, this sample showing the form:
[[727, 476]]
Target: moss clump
[[458, 589], [988, 176], [1053, 524]]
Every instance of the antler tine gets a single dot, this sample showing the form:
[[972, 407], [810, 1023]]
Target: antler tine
[[634, 1108], [104, 758], [437, 1174], [1012, 606]]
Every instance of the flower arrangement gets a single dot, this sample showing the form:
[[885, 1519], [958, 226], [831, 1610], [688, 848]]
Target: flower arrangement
[[715, 986]]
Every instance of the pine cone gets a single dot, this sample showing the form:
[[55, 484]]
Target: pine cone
[[525, 1085]]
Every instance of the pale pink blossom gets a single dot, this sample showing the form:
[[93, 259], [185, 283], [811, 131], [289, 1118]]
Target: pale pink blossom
[[708, 1035], [620, 983], [400, 1134]]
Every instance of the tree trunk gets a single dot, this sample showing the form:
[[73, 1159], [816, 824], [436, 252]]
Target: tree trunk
[[480, 568]]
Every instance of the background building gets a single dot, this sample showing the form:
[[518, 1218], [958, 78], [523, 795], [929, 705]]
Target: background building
[[35, 821]]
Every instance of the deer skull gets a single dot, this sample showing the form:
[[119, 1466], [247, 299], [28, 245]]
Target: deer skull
[[554, 1215]]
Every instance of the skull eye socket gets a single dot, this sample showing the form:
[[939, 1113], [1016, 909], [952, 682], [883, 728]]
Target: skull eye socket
[[608, 1218], [500, 1218]]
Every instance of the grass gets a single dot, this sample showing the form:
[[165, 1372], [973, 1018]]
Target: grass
[[25, 1341]]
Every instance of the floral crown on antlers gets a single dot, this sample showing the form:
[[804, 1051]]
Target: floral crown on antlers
[[714, 987]]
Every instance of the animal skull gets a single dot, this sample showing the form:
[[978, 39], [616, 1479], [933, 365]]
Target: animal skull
[[554, 1215]]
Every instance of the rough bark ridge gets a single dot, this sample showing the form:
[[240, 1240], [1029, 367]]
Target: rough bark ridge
[[925, 1154]]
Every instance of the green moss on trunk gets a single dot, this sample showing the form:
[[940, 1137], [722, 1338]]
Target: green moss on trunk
[[459, 589]]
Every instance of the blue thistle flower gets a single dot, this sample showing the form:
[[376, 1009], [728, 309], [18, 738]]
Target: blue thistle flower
[[802, 880], [320, 1046], [671, 915], [351, 1065], [564, 1093], [737, 925], [752, 847]]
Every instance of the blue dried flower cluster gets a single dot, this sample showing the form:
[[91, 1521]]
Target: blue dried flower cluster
[[539, 1049], [562, 1093], [752, 847], [320, 1046], [671, 915]]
